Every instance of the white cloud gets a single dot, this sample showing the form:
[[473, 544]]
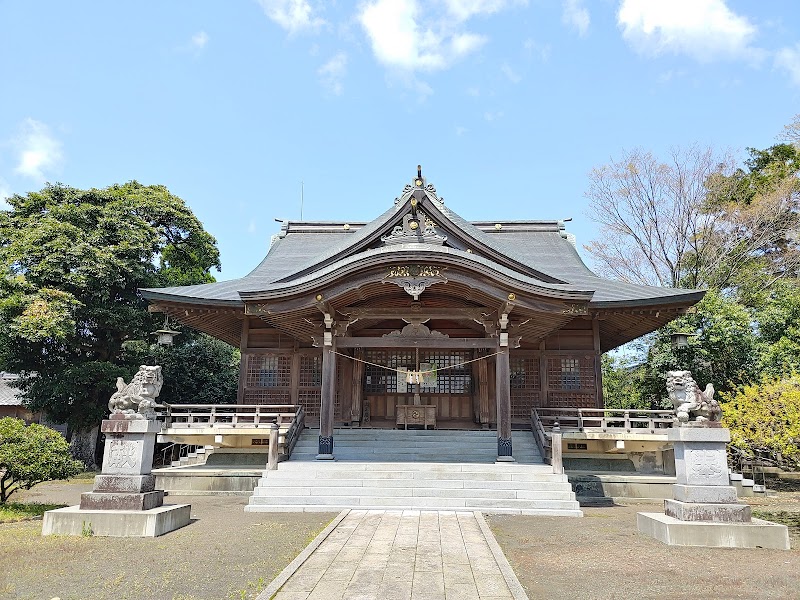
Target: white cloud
[[37, 150], [292, 15], [464, 9], [788, 59], [493, 116], [398, 41], [461, 130], [199, 40], [512, 75], [576, 15], [332, 72], [540, 51], [702, 29]]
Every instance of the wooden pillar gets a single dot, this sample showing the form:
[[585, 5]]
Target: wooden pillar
[[356, 409], [544, 384], [503, 396], [328, 393], [346, 388], [483, 392], [243, 358], [598, 365]]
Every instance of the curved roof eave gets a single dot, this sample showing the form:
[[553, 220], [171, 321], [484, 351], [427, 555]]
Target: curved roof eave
[[405, 252]]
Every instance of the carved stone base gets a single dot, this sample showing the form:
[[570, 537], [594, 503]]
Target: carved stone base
[[132, 484], [704, 493], [109, 501], [706, 511]]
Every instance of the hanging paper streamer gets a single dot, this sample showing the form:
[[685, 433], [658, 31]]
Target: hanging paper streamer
[[428, 374]]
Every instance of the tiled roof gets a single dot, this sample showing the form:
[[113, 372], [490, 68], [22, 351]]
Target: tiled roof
[[536, 252], [9, 395]]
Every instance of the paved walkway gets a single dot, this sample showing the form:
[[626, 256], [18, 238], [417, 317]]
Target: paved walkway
[[405, 555]]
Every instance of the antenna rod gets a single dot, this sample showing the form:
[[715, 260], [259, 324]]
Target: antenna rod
[[302, 189]]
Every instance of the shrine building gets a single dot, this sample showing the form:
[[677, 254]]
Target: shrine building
[[420, 317]]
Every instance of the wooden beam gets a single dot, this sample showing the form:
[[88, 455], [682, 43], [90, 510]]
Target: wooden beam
[[396, 342], [410, 312]]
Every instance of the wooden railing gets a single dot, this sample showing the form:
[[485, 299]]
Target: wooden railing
[[604, 419], [228, 415], [226, 418], [548, 424]]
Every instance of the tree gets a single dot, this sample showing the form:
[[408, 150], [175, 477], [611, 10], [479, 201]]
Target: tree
[[650, 216], [71, 263], [622, 383], [722, 351], [32, 454], [198, 369], [764, 418], [757, 215]]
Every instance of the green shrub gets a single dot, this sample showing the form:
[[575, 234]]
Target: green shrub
[[30, 454], [765, 418]]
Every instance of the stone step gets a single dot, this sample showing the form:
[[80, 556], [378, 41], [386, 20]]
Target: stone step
[[415, 492], [418, 470], [416, 502], [541, 512], [454, 484]]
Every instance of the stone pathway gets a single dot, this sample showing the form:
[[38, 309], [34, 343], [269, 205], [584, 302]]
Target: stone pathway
[[405, 555]]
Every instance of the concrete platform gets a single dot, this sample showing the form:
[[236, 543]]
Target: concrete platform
[[671, 531], [116, 523]]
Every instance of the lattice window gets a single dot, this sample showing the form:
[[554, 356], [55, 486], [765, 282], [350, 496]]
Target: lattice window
[[310, 401], [522, 402], [268, 371], [378, 380], [570, 400], [570, 373], [266, 396], [524, 373], [310, 370], [456, 379]]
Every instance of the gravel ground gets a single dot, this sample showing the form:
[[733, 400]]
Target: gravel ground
[[603, 556], [224, 554]]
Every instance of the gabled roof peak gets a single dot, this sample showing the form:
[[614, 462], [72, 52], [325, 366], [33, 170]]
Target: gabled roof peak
[[419, 188]]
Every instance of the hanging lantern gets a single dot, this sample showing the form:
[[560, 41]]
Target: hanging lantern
[[680, 339], [165, 335]]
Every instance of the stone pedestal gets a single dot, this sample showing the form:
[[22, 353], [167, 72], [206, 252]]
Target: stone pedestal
[[124, 501], [705, 510]]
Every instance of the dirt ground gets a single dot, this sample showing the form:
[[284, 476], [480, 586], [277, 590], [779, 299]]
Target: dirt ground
[[603, 556], [229, 554], [225, 554]]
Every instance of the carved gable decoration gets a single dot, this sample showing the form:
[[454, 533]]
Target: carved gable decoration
[[414, 279], [420, 230], [416, 330]]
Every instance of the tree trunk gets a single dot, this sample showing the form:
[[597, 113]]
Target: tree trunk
[[83, 446]]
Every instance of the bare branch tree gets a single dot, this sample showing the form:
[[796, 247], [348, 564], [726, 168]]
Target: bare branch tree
[[651, 218]]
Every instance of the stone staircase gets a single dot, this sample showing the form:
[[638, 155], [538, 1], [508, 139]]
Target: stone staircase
[[430, 470]]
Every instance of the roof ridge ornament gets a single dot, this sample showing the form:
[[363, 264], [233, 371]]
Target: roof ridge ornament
[[419, 188]]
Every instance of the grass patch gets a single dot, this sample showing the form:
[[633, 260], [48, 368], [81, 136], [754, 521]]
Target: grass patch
[[23, 511], [784, 517]]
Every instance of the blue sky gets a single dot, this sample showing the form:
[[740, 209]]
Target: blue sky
[[507, 104]]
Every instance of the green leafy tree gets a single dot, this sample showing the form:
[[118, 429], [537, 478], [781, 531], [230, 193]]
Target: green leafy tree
[[71, 263], [722, 349], [623, 378], [764, 418], [198, 369], [32, 454]]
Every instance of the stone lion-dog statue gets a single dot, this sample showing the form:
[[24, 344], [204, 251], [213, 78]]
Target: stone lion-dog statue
[[137, 400], [690, 403]]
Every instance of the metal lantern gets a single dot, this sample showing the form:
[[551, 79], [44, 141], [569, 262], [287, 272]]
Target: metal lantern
[[165, 335], [680, 339]]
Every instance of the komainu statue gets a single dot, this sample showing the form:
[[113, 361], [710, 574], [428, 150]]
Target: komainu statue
[[690, 403], [137, 400]]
